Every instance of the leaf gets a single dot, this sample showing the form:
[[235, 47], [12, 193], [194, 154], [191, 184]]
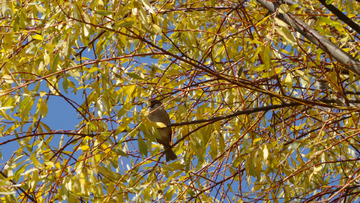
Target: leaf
[[160, 125], [350, 5], [148, 6], [104, 12], [93, 69], [6, 107], [40, 8], [46, 58], [50, 163], [267, 58], [108, 173], [46, 127], [157, 28], [221, 143], [265, 152], [252, 168], [123, 37], [85, 148], [35, 160], [280, 23], [142, 146], [38, 37], [143, 17], [288, 81], [61, 142], [18, 173], [124, 124], [119, 152], [328, 2], [124, 109], [65, 84], [8, 79], [284, 32], [329, 21], [126, 23], [55, 63], [175, 175], [8, 39], [134, 76], [7, 193], [43, 108]]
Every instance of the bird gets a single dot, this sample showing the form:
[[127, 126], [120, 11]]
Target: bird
[[157, 113]]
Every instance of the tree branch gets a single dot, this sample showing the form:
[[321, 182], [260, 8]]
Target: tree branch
[[254, 110], [315, 37], [341, 16]]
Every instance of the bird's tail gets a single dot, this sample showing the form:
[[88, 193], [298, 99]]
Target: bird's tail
[[170, 155]]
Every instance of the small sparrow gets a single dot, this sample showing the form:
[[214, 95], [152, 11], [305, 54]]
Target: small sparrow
[[160, 115]]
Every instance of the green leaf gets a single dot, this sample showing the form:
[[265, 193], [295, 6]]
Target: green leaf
[[134, 76], [221, 143], [126, 23], [18, 173], [328, 2], [267, 58], [142, 146], [104, 12], [55, 63], [124, 109], [252, 166], [65, 84], [119, 152], [109, 174], [43, 108]]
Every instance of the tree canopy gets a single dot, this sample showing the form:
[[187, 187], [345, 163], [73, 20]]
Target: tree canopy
[[262, 96]]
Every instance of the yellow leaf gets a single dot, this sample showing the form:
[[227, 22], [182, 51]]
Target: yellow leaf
[[38, 37], [285, 33], [280, 23], [125, 123], [40, 8], [85, 148], [6, 107], [143, 16], [265, 152], [284, 8], [82, 179], [35, 160], [267, 57], [317, 169], [126, 23], [8, 79], [257, 140], [43, 108], [42, 93], [123, 37], [49, 163], [288, 81], [8, 39], [157, 28], [46, 58], [160, 125], [93, 69], [148, 6]]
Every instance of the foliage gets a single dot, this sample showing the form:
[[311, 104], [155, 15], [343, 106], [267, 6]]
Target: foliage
[[259, 113]]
